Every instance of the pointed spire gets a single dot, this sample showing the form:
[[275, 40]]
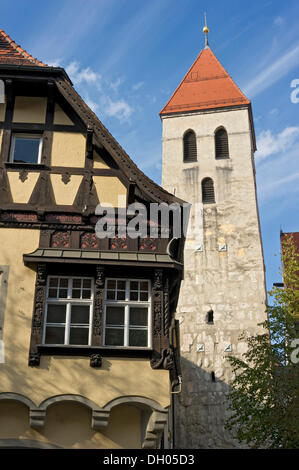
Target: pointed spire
[[206, 85], [206, 31]]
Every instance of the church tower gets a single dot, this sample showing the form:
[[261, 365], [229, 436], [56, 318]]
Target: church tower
[[208, 160]]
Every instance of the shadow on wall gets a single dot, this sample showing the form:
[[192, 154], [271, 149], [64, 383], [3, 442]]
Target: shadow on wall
[[200, 411], [67, 426]]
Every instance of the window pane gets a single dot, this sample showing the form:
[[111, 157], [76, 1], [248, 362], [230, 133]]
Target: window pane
[[76, 294], [110, 295], [133, 295], [63, 282], [144, 285], [53, 282], [79, 335], [86, 294], [54, 335], [111, 284], [53, 293], [138, 316], [144, 296], [114, 337], [121, 295], [87, 283], [26, 149], [134, 285], [77, 283], [80, 314], [56, 313], [138, 338], [62, 293], [121, 285], [115, 315]]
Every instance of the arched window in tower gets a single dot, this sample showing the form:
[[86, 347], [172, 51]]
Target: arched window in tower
[[190, 151], [221, 143], [208, 194]]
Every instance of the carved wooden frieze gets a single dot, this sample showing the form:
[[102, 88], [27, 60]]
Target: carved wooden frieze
[[89, 241], [118, 243], [18, 217], [38, 313], [148, 244], [157, 295], [166, 316], [95, 360], [64, 218], [23, 175], [61, 239], [66, 177], [164, 360], [98, 306]]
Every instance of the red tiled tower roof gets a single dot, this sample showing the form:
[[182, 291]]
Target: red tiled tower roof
[[206, 85], [13, 54]]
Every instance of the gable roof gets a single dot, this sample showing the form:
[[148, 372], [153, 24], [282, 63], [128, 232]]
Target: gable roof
[[206, 85], [13, 54], [102, 137]]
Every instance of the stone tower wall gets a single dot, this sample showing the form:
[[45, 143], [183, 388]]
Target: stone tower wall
[[224, 269]]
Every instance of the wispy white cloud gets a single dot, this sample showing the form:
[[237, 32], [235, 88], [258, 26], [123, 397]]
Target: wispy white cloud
[[137, 86], [54, 62], [116, 84], [92, 104], [269, 144], [79, 75], [278, 165], [273, 72], [119, 109]]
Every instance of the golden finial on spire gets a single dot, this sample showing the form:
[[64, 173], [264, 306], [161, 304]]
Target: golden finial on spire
[[206, 31]]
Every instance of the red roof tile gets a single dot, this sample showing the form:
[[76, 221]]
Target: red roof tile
[[13, 54], [206, 85]]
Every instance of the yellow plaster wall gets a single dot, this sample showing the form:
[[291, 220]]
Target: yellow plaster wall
[[2, 111], [109, 188], [21, 191], [68, 149], [58, 374], [60, 117], [98, 162], [68, 425], [30, 109], [65, 193]]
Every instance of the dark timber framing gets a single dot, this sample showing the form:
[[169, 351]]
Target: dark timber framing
[[146, 259]]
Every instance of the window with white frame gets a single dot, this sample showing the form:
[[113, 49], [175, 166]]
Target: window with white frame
[[26, 148], [68, 316], [127, 313]]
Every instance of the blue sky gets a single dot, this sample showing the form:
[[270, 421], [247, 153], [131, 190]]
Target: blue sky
[[126, 57]]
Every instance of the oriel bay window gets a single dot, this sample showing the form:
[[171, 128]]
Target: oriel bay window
[[127, 313], [68, 317]]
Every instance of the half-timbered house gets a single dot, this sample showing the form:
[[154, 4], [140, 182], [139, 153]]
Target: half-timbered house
[[88, 341]]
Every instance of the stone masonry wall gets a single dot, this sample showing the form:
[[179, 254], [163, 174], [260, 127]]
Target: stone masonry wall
[[224, 269]]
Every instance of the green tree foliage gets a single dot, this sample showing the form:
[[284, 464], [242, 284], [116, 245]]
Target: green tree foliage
[[263, 402]]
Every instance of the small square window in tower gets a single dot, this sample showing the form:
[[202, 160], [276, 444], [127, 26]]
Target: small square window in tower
[[26, 148]]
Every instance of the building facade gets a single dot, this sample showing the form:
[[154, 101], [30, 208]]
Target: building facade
[[208, 160], [89, 353]]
